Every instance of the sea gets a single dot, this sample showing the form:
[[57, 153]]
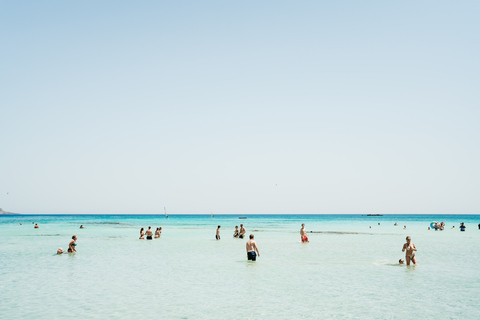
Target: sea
[[348, 270]]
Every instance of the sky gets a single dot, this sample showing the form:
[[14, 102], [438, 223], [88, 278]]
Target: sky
[[240, 107]]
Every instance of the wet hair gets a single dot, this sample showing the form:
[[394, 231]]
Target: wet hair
[[141, 229], [251, 236], [219, 226]]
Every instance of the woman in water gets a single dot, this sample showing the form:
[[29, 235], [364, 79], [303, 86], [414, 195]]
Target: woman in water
[[72, 244], [409, 249], [236, 232], [157, 233], [141, 234]]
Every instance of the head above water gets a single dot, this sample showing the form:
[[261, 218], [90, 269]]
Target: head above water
[[400, 261]]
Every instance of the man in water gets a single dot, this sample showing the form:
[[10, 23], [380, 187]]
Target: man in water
[[252, 249], [242, 232], [409, 249], [401, 261], [217, 236], [303, 234], [36, 226], [149, 233]]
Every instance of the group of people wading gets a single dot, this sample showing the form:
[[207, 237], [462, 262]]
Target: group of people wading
[[149, 233]]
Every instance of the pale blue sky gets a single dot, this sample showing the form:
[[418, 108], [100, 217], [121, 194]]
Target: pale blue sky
[[240, 107]]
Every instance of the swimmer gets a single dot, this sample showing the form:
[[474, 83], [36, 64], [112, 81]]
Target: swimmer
[[303, 234], [36, 226], [409, 249], [236, 232], [72, 244], [217, 235], [462, 226], [157, 233], [428, 228], [400, 261], [395, 224], [81, 226], [141, 234], [242, 232], [453, 227], [149, 233], [59, 251], [252, 249], [404, 227]]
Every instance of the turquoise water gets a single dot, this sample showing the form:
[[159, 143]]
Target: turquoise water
[[346, 271]]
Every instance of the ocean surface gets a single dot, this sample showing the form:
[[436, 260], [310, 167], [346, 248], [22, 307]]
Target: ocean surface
[[347, 271]]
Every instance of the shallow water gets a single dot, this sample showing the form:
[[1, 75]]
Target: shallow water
[[346, 271]]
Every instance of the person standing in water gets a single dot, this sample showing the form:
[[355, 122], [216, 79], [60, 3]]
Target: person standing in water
[[236, 233], [252, 249], [409, 249], [157, 233], [142, 234], [149, 233], [242, 232], [303, 234], [72, 244], [217, 235]]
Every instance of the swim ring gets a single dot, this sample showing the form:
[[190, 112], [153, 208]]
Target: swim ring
[[432, 224]]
